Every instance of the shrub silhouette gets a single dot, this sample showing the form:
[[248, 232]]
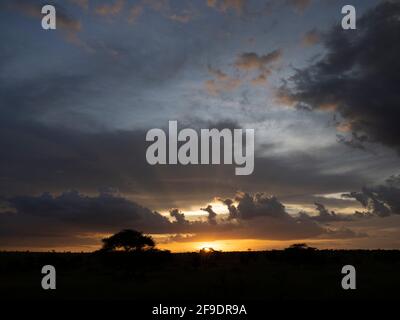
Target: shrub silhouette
[[300, 247], [128, 240], [207, 250]]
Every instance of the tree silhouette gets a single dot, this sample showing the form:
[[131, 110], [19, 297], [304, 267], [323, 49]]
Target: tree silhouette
[[128, 240]]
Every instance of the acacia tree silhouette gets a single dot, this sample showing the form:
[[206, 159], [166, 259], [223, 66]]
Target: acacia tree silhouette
[[128, 240]]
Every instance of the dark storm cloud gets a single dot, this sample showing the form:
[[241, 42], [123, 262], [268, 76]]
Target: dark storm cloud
[[73, 213], [71, 219], [382, 200], [358, 77], [73, 210]]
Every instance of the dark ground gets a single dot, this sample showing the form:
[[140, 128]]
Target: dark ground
[[230, 276]]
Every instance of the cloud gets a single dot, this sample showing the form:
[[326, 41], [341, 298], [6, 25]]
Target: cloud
[[157, 5], [225, 5], [178, 215], [64, 21], [299, 5], [211, 214], [64, 152], [134, 12], [310, 38], [72, 214], [354, 141], [382, 200], [221, 76], [58, 132], [183, 18], [211, 3], [325, 216], [69, 26], [261, 79], [284, 98], [110, 9], [260, 204], [221, 83], [233, 212], [359, 84], [163, 8], [84, 4], [343, 233], [48, 158], [251, 60], [260, 209], [277, 228], [256, 216]]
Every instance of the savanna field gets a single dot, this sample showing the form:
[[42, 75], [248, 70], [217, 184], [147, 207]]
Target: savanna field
[[216, 276]]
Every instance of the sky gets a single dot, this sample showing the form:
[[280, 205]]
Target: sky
[[76, 103]]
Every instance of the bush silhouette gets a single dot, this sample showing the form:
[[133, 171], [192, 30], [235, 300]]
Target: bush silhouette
[[300, 247], [128, 240]]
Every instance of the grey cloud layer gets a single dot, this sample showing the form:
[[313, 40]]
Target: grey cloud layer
[[38, 158], [72, 214]]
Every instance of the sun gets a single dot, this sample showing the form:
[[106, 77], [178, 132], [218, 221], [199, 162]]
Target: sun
[[208, 246]]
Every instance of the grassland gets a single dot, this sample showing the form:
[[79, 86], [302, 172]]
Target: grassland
[[220, 276]]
